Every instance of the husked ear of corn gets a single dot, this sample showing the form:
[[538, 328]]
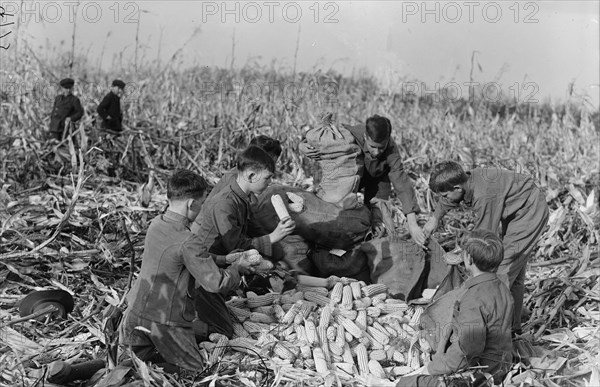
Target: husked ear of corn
[[331, 333], [335, 348], [310, 281], [326, 313], [280, 207], [219, 350], [288, 298], [322, 331], [401, 370], [356, 293], [349, 326], [278, 312], [376, 369], [262, 300], [252, 256], [378, 335], [320, 363], [362, 359], [241, 314], [361, 319], [283, 352], [261, 318], [311, 332], [291, 313], [347, 297], [416, 317], [254, 327], [374, 289], [317, 298], [378, 354], [336, 293], [239, 331], [398, 357]]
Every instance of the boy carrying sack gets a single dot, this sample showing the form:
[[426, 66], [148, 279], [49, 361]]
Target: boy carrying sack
[[505, 202], [158, 322], [478, 335]]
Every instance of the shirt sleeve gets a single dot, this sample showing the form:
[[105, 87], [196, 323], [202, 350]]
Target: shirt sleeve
[[488, 212], [401, 182], [103, 107], [230, 228], [77, 110], [204, 269], [468, 340]]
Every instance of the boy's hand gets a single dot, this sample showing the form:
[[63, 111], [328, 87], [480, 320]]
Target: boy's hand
[[378, 230], [415, 231], [430, 226], [283, 229], [243, 265]]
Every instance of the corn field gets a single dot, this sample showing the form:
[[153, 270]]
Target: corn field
[[74, 216]]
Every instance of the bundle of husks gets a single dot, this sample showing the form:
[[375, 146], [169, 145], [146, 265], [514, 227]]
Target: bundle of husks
[[346, 327]]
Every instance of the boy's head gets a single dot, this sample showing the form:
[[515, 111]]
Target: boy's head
[[66, 85], [118, 87], [483, 249], [447, 179], [256, 167], [377, 136], [186, 190], [270, 145]]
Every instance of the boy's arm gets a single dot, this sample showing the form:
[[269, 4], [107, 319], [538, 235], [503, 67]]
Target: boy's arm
[[204, 269], [78, 110], [401, 182], [103, 106], [229, 226], [488, 212], [468, 340]]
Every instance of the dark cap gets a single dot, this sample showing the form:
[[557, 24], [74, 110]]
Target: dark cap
[[119, 83], [40, 299], [67, 83]]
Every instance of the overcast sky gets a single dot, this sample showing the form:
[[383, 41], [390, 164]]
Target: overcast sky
[[535, 48]]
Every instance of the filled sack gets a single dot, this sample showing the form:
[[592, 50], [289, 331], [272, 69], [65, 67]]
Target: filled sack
[[351, 264], [317, 221], [404, 267], [341, 163]]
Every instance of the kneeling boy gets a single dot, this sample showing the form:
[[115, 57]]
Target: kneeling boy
[[173, 259], [481, 320]]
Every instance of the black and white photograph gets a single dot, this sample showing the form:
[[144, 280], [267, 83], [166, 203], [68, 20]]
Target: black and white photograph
[[300, 193]]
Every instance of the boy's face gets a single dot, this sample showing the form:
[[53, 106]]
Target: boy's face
[[66, 91], [456, 195], [467, 261], [259, 180], [118, 91], [375, 148]]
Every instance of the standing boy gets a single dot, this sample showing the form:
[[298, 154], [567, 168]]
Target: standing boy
[[173, 259], [110, 107], [67, 109], [506, 203], [481, 321], [383, 169]]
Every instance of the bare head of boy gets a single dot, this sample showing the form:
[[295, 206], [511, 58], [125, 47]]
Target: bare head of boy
[[269, 145], [186, 191], [448, 179], [255, 171], [377, 135], [482, 252]]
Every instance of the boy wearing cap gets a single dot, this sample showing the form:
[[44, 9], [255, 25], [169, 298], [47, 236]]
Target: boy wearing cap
[[67, 108], [110, 107], [479, 332], [505, 202], [383, 169], [173, 261]]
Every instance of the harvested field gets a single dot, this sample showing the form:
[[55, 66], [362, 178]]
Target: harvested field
[[75, 219]]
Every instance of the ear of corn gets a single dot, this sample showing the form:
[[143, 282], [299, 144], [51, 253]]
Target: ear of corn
[[356, 293], [336, 293], [219, 350], [374, 289], [322, 331], [311, 332], [320, 363], [261, 318], [416, 317], [318, 290], [283, 352], [326, 312], [310, 281], [317, 298], [347, 297], [361, 319], [376, 369], [241, 314], [378, 354], [291, 313], [239, 331], [256, 301], [401, 370], [362, 359]]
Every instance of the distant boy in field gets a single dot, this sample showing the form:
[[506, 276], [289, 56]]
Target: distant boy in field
[[66, 110], [223, 223], [481, 321], [110, 107], [174, 259], [382, 169], [506, 203]]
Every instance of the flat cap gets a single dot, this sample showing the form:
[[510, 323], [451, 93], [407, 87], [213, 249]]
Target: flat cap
[[67, 83], [119, 83]]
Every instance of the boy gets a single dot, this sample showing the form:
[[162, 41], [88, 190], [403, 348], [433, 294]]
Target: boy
[[110, 107], [383, 168], [481, 320], [173, 258], [504, 202], [268, 144], [223, 225], [67, 109]]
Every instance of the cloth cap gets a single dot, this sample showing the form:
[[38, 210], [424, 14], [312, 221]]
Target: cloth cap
[[67, 83], [39, 299], [119, 83]]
